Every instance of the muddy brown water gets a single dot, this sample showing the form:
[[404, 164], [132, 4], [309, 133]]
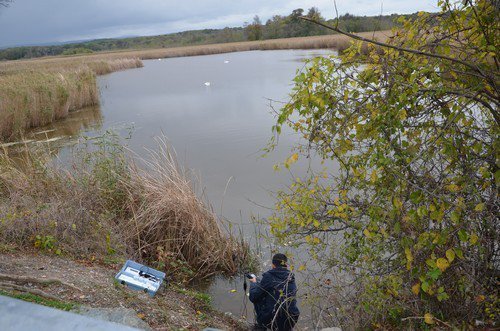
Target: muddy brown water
[[215, 111]]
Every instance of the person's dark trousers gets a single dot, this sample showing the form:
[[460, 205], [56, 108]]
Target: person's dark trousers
[[257, 327], [284, 323]]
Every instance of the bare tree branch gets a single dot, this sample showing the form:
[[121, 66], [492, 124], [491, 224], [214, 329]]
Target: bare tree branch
[[5, 3], [403, 49], [474, 67]]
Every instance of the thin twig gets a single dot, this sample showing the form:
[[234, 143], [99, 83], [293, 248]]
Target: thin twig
[[7, 286], [403, 49], [42, 281]]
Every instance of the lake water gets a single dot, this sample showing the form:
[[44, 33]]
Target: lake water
[[215, 110], [218, 130]]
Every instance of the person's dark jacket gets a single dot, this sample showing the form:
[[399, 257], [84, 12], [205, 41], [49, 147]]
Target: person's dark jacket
[[274, 299]]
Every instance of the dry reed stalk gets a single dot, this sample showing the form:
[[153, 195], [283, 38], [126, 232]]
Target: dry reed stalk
[[172, 224]]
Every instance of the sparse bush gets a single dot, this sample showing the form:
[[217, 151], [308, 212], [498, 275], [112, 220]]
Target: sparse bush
[[405, 219]]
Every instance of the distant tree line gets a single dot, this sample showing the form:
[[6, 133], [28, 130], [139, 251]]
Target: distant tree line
[[276, 27], [285, 26]]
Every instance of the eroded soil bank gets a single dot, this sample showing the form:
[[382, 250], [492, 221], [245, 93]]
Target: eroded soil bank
[[83, 285]]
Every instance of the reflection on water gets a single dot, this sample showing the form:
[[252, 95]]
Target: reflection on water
[[77, 122], [53, 139], [61, 133]]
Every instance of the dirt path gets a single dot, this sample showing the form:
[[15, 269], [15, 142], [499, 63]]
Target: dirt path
[[88, 285]]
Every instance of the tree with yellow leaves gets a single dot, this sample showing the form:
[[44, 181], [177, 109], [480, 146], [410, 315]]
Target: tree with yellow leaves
[[410, 218]]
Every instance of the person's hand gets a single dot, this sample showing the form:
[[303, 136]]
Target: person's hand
[[253, 280]]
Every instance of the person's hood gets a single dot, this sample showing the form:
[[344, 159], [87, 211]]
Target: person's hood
[[281, 273]]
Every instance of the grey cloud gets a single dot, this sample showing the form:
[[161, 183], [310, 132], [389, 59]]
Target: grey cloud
[[44, 21]]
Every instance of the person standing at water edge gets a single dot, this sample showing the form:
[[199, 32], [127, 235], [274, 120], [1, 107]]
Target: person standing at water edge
[[274, 297]]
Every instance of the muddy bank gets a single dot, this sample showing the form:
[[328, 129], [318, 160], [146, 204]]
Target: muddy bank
[[87, 287]]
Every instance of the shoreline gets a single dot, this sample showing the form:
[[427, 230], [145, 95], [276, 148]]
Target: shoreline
[[334, 41], [37, 92]]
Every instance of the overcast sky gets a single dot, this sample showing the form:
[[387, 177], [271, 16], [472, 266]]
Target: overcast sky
[[46, 21]]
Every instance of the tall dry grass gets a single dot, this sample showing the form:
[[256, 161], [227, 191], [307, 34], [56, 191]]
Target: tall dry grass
[[172, 224], [335, 41], [36, 98], [108, 208], [35, 94]]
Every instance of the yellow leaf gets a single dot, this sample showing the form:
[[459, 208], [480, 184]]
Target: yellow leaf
[[450, 255], [233, 291], [397, 203], [428, 318], [367, 233], [302, 267], [402, 115], [294, 157], [416, 288], [408, 254], [473, 239], [442, 264], [141, 316], [409, 258], [480, 207]]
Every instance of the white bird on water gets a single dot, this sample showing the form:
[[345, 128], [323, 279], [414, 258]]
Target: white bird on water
[[207, 83], [226, 61]]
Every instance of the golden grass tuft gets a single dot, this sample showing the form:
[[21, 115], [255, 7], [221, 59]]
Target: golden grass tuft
[[171, 223]]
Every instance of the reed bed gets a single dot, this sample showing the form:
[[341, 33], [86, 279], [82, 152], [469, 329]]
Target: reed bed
[[35, 94], [107, 208], [36, 98], [334, 41]]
